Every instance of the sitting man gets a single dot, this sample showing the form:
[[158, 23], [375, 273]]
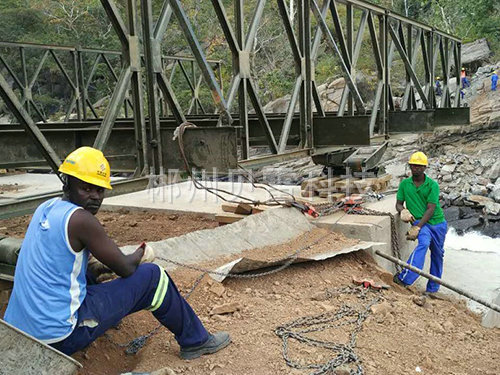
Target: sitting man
[[51, 299], [423, 212]]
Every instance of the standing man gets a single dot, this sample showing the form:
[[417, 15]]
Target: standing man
[[494, 80], [465, 81], [52, 299], [420, 193], [438, 90]]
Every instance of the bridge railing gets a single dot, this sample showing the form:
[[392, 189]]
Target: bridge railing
[[317, 28], [77, 73]]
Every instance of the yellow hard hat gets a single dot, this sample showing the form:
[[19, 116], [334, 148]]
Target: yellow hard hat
[[418, 158], [438, 77], [88, 164], [463, 68]]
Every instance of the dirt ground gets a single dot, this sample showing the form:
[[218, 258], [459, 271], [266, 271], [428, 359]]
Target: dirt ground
[[441, 337], [398, 337]]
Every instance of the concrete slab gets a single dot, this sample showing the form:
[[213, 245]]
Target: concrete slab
[[267, 228], [185, 197], [31, 184], [24, 354], [492, 319], [245, 264]]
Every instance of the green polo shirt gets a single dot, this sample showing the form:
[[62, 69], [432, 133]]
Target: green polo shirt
[[416, 198]]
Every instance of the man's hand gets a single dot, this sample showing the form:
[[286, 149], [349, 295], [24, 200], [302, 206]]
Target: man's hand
[[412, 234], [406, 216]]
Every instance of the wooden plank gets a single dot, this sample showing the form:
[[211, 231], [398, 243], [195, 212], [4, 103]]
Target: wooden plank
[[243, 209], [307, 184], [385, 178], [328, 182], [237, 208], [308, 193], [228, 217], [229, 207]]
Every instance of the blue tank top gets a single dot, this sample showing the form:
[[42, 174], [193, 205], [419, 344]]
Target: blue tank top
[[49, 282]]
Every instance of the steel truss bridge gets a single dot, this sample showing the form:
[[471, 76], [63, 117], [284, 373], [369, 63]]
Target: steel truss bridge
[[136, 127]]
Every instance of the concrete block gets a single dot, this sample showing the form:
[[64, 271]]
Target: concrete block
[[23, 354], [270, 227], [311, 183], [492, 319]]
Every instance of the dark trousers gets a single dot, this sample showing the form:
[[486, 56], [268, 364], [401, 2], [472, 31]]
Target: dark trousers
[[105, 305]]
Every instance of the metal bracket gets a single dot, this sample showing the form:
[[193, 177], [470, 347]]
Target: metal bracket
[[134, 53], [244, 59], [27, 93], [156, 52]]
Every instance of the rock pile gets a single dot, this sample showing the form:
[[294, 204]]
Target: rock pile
[[465, 163]]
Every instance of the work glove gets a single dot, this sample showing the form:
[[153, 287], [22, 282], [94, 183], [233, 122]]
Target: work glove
[[149, 254], [412, 234], [100, 271], [406, 216]]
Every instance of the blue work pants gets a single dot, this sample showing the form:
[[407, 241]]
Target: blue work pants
[[430, 237], [494, 85], [106, 304]]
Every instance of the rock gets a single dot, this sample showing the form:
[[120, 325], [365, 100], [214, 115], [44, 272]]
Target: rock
[[225, 308], [448, 325], [449, 168], [492, 208], [339, 83], [279, 105], [494, 172], [492, 230], [464, 225], [468, 212], [342, 370], [479, 171], [319, 296], [418, 300], [479, 190], [217, 289], [381, 308], [447, 178], [436, 327], [479, 199], [164, 371], [495, 194]]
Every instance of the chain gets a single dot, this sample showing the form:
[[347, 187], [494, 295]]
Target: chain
[[136, 344], [345, 316]]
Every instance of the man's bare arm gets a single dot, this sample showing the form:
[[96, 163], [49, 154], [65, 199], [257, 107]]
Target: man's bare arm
[[85, 231], [399, 206]]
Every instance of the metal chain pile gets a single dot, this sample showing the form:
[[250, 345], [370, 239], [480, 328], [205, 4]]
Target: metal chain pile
[[136, 344], [345, 316]]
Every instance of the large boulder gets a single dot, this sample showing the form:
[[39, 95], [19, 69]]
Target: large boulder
[[475, 54]]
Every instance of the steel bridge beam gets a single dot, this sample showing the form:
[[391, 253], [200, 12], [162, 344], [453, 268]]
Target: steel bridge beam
[[395, 32], [27, 122]]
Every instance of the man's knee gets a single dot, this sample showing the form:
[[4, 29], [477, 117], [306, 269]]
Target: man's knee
[[148, 273]]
